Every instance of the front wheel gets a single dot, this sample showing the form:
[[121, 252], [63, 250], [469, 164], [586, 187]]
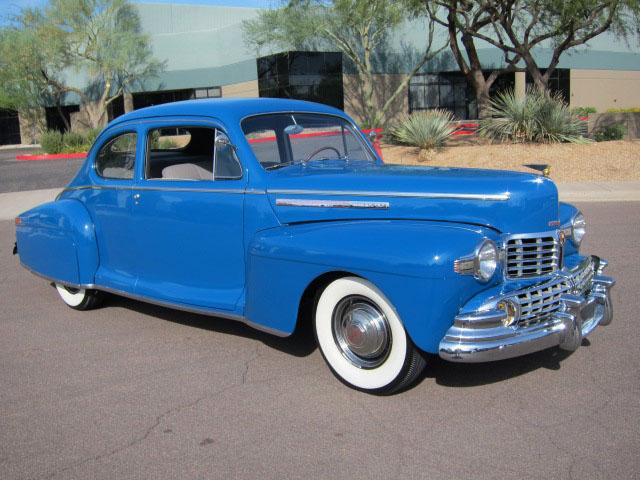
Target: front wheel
[[362, 339], [79, 298]]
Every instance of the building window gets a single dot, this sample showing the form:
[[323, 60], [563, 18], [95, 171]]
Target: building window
[[9, 127], [313, 76], [559, 82], [213, 92], [448, 91]]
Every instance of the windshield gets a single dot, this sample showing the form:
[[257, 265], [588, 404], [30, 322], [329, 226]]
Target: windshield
[[282, 139]]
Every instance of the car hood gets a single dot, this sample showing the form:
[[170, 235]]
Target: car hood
[[506, 201]]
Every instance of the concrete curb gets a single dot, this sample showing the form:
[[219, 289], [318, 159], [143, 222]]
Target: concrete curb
[[14, 203], [599, 191], [52, 156]]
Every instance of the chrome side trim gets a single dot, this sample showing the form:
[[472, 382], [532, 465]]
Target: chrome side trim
[[358, 193], [158, 188], [293, 202], [161, 303]]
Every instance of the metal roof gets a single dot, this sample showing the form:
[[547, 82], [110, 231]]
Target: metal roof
[[226, 108]]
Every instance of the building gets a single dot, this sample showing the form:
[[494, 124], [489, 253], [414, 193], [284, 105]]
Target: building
[[206, 56]]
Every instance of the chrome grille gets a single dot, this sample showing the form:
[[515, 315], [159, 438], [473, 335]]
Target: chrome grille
[[538, 303], [531, 256], [582, 279]]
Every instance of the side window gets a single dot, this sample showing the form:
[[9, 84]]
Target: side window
[[226, 165], [116, 158], [189, 153], [180, 153]]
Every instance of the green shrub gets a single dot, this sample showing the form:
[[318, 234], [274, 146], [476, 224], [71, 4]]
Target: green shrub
[[624, 110], [584, 111], [610, 132], [426, 130], [51, 141], [74, 142], [536, 117], [91, 135]]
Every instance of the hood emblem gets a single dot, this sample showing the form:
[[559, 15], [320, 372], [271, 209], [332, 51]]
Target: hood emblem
[[554, 223]]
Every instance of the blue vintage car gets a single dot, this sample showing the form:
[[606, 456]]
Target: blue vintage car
[[278, 212]]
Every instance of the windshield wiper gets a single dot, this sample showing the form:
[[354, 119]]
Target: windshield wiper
[[281, 165]]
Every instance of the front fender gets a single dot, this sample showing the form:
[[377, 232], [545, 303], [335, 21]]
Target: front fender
[[57, 240], [411, 262]]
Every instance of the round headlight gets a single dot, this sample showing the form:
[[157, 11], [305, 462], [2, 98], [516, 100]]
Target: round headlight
[[578, 228], [486, 261]]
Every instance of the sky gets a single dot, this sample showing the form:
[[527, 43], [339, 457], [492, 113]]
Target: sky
[[8, 7]]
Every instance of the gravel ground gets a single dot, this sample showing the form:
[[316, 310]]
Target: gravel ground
[[606, 161]]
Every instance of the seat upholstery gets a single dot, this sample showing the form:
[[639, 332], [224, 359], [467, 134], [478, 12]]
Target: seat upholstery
[[188, 171]]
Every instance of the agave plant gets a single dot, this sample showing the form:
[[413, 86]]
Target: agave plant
[[536, 117], [427, 130]]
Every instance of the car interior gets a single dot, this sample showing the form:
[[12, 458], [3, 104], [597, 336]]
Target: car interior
[[188, 154]]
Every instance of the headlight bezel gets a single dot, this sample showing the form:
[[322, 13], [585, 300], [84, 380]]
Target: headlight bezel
[[578, 228]]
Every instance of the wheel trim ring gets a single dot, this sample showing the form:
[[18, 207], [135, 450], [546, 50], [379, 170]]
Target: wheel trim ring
[[361, 332]]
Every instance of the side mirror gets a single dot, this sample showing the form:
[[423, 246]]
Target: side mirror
[[372, 136], [293, 129]]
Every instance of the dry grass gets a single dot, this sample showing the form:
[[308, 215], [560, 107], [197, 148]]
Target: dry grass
[[605, 161]]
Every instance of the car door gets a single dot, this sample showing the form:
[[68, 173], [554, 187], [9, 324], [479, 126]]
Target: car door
[[109, 200], [188, 215]]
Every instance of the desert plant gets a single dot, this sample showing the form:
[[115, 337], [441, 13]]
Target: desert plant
[[536, 117], [51, 141], [610, 132], [91, 135], [74, 142], [427, 130], [583, 111]]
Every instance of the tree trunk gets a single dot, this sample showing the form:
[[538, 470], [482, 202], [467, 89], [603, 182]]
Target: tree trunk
[[128, 102], [67, 126]]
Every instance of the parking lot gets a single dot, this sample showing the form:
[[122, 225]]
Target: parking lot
[[138, 391]]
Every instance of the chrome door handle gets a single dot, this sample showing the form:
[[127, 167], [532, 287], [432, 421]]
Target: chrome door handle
[[136, 198]]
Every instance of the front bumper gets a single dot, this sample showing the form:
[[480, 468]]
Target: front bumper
[[559, 312]]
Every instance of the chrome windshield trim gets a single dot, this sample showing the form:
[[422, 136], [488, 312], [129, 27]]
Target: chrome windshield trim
[[360, 193], [296, 202]]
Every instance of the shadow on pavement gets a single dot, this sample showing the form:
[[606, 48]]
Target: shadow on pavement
[[301, 344], [451, 374]]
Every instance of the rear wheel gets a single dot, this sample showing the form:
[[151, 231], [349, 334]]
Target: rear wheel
[[362, 338], [79, 298]]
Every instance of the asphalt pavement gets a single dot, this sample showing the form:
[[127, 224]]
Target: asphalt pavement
[[142, 392], [21, 175]]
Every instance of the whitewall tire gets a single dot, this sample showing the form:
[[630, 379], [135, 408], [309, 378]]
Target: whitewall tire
[[79, 298], [362, 338]]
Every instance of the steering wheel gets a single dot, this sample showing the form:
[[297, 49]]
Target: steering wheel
[[313, 154]]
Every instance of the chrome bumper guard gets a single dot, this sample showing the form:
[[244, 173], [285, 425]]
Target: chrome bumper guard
[[482, 335]]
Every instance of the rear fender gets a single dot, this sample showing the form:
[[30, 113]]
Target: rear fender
[[411, 262], [57, 240]]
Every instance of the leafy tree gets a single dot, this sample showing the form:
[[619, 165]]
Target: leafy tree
[[98, 40], [520, 26], [465, 20], [358, 28], [31, 62]]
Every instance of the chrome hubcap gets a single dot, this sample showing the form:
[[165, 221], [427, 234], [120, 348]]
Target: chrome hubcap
[[361, 332]]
